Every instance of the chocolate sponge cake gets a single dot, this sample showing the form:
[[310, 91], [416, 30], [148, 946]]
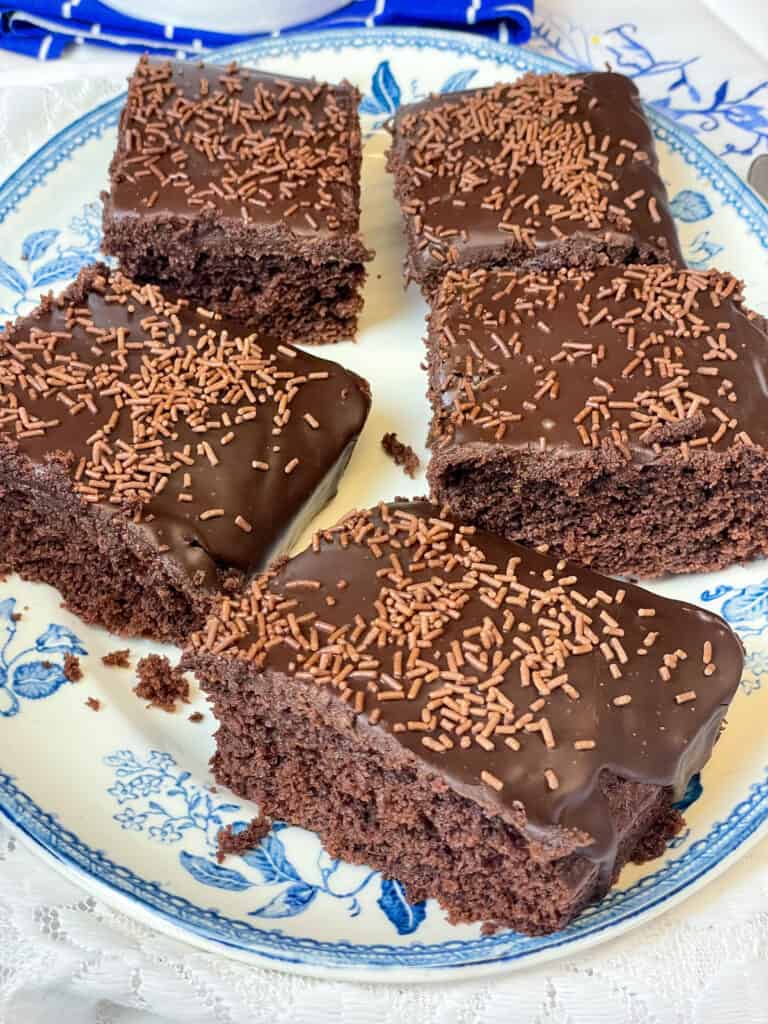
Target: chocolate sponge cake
[[548, 171], [152, 453], [619, 415], [241, 190], [494, 727]]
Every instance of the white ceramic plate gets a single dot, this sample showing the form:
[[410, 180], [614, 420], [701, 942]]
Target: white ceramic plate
[[122, 799]]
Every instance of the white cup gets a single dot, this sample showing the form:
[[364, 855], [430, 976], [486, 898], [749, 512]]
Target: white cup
[[241, 17]]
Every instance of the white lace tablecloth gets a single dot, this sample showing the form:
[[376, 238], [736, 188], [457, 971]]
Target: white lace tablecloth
[[66, 957]]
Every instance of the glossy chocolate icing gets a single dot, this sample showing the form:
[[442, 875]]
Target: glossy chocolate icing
[[207, 132], [609, 103], [651, 739], [478, 319], [276, 504]]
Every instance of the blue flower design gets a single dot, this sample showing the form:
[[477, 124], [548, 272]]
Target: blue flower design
[[160, 800], [48, 258], [25, 675], [130, 820], [166, 833], [743, 116]]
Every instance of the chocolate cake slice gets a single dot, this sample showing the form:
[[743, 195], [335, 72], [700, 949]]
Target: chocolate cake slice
[[495, 728], [241, 190], [619, 415], [548, 171], [152, 453]]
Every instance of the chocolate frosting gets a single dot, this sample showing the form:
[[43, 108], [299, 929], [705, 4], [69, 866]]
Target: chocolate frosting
[[262, 149], [431, 191], [649, 359], [652, 718], [326, 416]]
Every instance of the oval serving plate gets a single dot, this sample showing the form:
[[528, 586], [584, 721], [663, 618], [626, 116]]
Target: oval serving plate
[[122, 799]]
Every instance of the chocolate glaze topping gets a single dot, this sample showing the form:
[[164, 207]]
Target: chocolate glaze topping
[[262, 149], [649, 359], [517, 677], [221, 445], [526, 167]]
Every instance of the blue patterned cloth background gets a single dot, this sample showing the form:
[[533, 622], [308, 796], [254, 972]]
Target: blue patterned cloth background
[[43, 28]]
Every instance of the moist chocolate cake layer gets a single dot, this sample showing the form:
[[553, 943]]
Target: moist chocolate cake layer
[[489, 687], [548, 171], [617, 414], [241, 190], [178, 437]]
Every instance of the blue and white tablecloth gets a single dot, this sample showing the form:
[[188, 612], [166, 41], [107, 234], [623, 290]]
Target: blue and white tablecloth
[[43, 28]]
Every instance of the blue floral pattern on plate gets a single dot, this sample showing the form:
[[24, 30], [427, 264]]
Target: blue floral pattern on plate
[[742, 119], [49, 256], [33, 672], [140, 785]]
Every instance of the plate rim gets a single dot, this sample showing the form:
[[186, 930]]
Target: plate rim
[[33, 172]]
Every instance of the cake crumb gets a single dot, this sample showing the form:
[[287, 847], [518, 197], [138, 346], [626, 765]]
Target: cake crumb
[[160, 683], [196, 716], [93, 704], [17, 616], [117, 659], [401, 454], [72, 670], [241, 842]]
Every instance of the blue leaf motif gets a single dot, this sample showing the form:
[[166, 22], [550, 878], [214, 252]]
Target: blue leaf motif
[[57, 268], [385, 90], [7, 608], [59, 638], [693, 791], [747, 116], [746, 610], [405, 916], [269, 858], [714, 595], [11, 278], [35, 680], [290, 902], [208, 873], [458, 80], [720, 95], [689, 206], [36, 244]]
